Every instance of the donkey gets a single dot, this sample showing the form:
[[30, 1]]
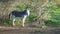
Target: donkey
[[20, 14]]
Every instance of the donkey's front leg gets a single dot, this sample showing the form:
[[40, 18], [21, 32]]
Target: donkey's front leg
[[23, 20]]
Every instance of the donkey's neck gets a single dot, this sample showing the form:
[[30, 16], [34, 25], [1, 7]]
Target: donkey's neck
[[28, 11]]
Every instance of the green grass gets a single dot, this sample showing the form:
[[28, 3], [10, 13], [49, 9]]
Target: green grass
[[55, 17]]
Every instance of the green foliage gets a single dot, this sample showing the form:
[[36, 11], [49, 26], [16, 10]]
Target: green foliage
[[31, 18], [18, 22], [55, 16], [6, 22], [20, 7]]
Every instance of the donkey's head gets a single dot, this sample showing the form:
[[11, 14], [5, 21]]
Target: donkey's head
[[28, 12]]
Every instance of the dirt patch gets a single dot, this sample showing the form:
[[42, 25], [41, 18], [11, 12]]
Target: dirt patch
[[28, 30]]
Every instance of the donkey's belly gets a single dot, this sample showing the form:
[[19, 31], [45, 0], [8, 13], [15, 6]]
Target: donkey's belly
[[19, 15]]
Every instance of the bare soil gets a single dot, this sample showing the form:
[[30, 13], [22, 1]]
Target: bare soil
[[28, 30]]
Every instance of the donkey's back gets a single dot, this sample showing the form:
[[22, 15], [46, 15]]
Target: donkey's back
[[19, 13]]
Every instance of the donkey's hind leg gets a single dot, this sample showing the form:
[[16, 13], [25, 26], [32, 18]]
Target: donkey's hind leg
[[13, 19]]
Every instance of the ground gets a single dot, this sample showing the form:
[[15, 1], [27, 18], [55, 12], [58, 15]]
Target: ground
[[28, 30]]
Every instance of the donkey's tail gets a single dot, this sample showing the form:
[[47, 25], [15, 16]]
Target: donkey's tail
[[9, 15]]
